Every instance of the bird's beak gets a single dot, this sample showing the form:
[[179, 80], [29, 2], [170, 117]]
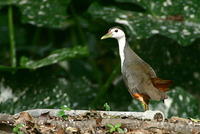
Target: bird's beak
[[108, 35]]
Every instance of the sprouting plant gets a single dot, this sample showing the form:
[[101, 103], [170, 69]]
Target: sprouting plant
[[115, 128], [195, 120], [61, 113], [106, 107], [17, 130]]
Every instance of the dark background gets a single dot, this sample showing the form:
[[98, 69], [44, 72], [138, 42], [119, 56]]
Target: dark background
[[61, 59]]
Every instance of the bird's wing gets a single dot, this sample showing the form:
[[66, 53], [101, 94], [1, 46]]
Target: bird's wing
[[154, 86], [138, 80], [148, 87]]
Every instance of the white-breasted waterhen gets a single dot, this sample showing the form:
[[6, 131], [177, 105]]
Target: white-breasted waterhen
[[139, 77]]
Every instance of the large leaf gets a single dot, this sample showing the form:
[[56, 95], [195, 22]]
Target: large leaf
[[7, 2], [177, 20], [50, 13], [181, 103], [44, 88], [55, 57]]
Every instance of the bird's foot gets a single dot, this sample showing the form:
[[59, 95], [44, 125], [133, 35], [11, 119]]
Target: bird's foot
[[142, 98]]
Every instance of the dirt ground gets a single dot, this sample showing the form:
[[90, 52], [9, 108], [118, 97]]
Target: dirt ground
[[92, 123]]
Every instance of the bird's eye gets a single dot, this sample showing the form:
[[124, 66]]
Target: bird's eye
[[116, 31]]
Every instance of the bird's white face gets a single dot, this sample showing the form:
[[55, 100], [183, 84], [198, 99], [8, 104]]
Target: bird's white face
[[114, 33]]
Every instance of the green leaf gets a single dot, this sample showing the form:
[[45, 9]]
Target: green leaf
[[49, 13], [47, 87], [7, 2], [67, 108], [106, 106], [109, 125], [15, 129], [112, 130], [20, 132], [64, 107], [20, 125], [118, 125], [159, 18], [120, 130], [55, 57], [61, 113]]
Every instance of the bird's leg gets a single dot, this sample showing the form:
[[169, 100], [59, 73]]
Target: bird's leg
[[142, 98]]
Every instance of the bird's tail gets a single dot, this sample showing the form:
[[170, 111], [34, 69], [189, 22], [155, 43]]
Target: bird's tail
[[162, 85]]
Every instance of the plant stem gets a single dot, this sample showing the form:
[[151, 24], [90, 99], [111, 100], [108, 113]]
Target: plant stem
[[73, 36], [96, 72], [12, 40], [106, 86], [78, 26], [36, 36]]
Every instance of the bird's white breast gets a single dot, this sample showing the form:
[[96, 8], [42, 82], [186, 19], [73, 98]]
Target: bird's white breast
[[122, 43]]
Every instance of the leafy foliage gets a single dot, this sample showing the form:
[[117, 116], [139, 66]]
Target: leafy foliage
[[17, 130], [64, 107], [53, 69], [177, 20], [55, 57], [40, 13], [115, 128], [7, 2], [106, 107], [61, 113], [48, 13]]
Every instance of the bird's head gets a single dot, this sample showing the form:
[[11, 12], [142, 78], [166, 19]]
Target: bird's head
[[114, 32]]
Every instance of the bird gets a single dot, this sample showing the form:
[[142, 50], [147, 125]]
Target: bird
[[139, 77]]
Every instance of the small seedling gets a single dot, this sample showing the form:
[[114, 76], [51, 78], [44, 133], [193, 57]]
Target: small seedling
[[115, 128], [17, 129], [106, 107], [195, 120], [61, 113]]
